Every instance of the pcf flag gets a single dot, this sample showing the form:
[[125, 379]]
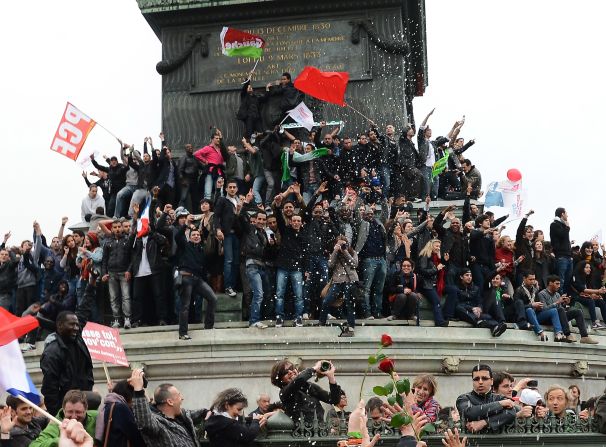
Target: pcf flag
[[302, 115], [71, 134], [13, 327], [239, 43], [14, 378], [328, 86]]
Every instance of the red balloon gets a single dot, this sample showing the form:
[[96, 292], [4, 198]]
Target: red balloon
[[513, 175]]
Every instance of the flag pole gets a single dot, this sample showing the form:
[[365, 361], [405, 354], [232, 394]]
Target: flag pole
[[106, 129], [251, 72], [360, 113], [109, 380], [40, 410]]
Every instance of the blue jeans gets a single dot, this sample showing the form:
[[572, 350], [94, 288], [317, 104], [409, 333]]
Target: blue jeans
[[231, 260], [122, 200], [564, 271], [542, 317], [480, 273], [119, 294], [210, 180], [434, 299], [591, 304], [318, 276], [385, 178], [259, 284], [257, 187], [373, 272], [309, 190], [334, 291], [430, 187], [296, 279]]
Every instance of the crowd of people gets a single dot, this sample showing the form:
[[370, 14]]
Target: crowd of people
[[308, 225], [127, 416]]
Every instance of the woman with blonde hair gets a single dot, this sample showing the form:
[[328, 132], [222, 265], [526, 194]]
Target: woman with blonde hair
[[431, 271]]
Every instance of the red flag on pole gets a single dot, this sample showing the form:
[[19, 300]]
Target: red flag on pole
[[71, 134], [13, 327], [328, 86]]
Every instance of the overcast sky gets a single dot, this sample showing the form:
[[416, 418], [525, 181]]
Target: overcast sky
[[529, 76]]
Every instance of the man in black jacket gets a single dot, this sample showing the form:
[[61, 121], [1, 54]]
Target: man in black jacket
[[168, 179], [192, 272], [409, 178], [188, 175], [455, 243], [226, 210], [465, 302], [116, 172], [559, 233], [482, 250], [289, 96], [147, 272], [481, 408], [319, 233], [290, 261], [66, 363], [8, 274], [254, 242], [115, 269]]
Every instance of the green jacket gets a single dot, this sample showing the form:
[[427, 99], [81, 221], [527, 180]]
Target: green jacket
[[50, 435]]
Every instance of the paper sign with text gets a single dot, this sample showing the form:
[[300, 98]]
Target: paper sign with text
[[104, 344]]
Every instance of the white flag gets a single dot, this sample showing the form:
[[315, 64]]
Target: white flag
[[302, 115]]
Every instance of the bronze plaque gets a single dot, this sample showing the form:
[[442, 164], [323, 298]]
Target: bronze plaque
[[289, 46]]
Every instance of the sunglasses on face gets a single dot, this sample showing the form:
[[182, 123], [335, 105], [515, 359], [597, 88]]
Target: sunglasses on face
[[481, 378]]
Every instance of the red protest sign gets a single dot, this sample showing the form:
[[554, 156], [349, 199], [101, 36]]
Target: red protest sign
[[71, 134], [104, 344]]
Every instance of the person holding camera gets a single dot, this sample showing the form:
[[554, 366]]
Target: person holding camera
[[342, 263], [301, 398]]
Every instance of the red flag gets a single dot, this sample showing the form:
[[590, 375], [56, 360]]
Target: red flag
[[328, 86], [13, 327], [71, 134]]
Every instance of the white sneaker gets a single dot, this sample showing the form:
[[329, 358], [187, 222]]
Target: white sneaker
[[306, 316], [259, 325], [127, 323], [370, 318], [391, 318], [331, 317], [116, 324]]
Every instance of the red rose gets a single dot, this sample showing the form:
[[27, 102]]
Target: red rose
[[387, 366], [386, 341]]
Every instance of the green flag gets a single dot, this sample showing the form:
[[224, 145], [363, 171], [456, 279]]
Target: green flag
[[300, 158], [440, 165]]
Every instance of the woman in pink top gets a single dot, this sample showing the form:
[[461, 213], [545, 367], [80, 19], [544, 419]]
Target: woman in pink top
[[212, 157]]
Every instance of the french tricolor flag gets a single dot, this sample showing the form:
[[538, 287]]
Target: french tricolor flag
[[143, 222], [14, 378]]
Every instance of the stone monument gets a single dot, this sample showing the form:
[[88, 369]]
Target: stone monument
[[380, 43]]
